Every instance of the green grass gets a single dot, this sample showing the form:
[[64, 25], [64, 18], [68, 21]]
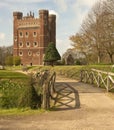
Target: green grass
[[72, 71], [68, 71], [13, 68], [20, 112], [11, 75]]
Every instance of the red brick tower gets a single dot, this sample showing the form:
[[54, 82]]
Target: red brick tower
[[52, 28], [44, 31], [32, 36]]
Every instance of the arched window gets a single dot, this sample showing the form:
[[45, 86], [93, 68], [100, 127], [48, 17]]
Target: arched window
[[29, 53], [26, 34], [20, 34], [35, 44], [20, 53], [20, 44], [28, 44], [37, 53], [34, 34]]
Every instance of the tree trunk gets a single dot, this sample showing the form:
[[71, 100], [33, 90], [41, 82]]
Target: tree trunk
[[111, 58]]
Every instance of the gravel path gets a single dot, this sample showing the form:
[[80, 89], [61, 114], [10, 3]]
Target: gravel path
[[79, 107]]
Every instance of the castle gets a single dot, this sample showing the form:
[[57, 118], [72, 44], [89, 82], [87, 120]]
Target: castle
[[32, 36]]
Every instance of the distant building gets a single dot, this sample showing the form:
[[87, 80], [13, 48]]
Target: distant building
[[32, 36]]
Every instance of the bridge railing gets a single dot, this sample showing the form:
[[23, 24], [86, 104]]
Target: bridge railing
[[99, 78]]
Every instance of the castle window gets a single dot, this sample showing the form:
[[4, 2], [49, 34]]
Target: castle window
[[20, 44], [28, 44], [37, 53], [29, 53], [34, 34], [26, 34], [35, 44], [20, 53], [21, 34]]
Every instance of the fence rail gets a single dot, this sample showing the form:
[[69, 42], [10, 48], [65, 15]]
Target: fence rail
[[99, 78]]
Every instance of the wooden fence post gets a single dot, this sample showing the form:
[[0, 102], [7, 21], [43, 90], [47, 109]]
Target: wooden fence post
[[81, 75], [98, 78], [44, 96], [91, 77], [108, 83]]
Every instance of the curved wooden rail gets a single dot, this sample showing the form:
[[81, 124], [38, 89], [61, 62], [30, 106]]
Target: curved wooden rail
[[45, 81], [48, 91]]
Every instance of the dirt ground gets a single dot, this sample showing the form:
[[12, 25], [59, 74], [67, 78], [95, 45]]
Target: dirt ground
[[79, 107]]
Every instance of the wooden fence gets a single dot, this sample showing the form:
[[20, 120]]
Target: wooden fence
[[99, 78]]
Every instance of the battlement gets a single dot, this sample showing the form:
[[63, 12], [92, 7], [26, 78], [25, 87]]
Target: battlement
[[17, 15], [52, 16], [43, 11], [28, 24]]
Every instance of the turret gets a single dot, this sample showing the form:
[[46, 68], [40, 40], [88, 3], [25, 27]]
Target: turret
[[44, 27], [44, 32], [52, 28], [16, 17]]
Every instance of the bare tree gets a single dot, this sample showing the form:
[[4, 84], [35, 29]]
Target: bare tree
[[92, 28], [81, 45], [108, 29], [96, 36]]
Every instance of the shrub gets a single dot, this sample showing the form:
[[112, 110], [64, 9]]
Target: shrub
[[9, 92], [16, 60], [30, 98], [15, 94]]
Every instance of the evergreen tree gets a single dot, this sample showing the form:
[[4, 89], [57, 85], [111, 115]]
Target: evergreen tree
[[51, 54]]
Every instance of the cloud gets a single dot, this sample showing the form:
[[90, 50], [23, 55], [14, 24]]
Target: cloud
[[81, 8], [87, 3], [2, 36], [8, 3], [54, 12], [63, 45], [23, 1], [61, 4], [3, 4], [0, 20]]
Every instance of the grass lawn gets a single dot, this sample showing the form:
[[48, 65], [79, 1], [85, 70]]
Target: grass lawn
[[72, 71], [6, 74], [19, 112]]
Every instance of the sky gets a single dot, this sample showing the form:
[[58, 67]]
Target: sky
[[70, 14]]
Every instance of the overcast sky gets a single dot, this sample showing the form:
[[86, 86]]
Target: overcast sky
[[70, 14]]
